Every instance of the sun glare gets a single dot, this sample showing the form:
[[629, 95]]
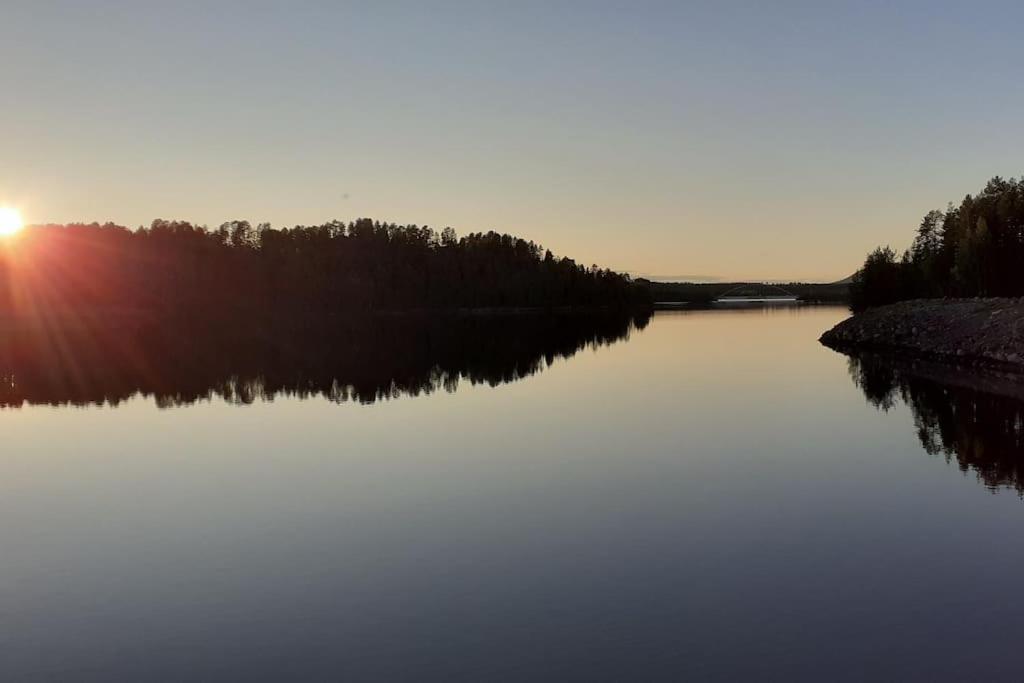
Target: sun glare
[[10, 221]]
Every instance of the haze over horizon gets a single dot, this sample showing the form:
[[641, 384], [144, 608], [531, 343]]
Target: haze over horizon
[[730, 140]]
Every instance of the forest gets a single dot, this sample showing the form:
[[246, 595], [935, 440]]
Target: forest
[[175, 270], [972, 249]]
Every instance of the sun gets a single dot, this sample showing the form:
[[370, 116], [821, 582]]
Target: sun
[[10, 221]]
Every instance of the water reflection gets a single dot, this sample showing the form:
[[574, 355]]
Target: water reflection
[[975, 417], [362, 360]]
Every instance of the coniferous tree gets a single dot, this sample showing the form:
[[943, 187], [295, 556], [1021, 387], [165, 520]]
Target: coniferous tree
[[973, 249]]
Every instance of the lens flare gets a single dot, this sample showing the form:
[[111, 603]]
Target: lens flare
[[10, 221]]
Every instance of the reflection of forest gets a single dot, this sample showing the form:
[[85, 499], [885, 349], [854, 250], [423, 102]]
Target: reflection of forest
[[363, 359], [976, 417]]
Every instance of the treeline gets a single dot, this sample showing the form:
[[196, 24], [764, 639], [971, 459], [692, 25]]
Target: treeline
[[175, 268], [703, 293], [974, 249]]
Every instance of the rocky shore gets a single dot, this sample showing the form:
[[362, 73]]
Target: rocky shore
[[973, 332]]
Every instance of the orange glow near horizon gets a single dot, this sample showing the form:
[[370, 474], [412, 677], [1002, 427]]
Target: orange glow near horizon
[[10, 221]]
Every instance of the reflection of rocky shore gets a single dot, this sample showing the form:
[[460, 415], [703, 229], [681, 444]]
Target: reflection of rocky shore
[[975, 417], [979, 332], [363, 360]]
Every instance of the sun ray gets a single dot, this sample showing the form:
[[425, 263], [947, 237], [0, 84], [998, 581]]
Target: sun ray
[[10, 221]]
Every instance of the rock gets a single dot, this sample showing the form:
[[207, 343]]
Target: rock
[[980, 331]]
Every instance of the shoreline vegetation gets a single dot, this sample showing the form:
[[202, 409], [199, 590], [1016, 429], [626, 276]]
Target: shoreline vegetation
[[974, 249], [953, 294], [175, 271]]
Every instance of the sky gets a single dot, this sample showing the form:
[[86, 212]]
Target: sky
[[704, 140]]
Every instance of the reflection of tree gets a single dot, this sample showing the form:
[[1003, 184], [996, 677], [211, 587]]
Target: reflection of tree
[[365, 359], [879, 387], [975, 417]]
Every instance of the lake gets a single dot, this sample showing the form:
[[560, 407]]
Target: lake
[[704, 495]]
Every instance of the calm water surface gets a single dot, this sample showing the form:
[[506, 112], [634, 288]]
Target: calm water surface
[[715, 497]]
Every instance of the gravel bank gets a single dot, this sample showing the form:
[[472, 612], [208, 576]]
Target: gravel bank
[[987, 332]]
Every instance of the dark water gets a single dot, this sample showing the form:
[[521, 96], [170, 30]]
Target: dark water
[[705, 495]]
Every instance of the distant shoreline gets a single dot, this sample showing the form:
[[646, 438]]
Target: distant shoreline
[[982, 332], [675, 294]]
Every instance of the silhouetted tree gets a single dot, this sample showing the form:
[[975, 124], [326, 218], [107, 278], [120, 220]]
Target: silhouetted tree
[[880, 281], [974, 249], [176, 269]]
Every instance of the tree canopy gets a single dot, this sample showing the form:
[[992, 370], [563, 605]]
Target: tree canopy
[[975, 248], [175, 268]]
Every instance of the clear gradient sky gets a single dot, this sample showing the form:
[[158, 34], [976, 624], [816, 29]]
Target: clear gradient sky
[[721, 139]]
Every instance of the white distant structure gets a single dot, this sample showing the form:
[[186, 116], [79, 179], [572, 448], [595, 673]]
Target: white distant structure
[[758, 293]]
